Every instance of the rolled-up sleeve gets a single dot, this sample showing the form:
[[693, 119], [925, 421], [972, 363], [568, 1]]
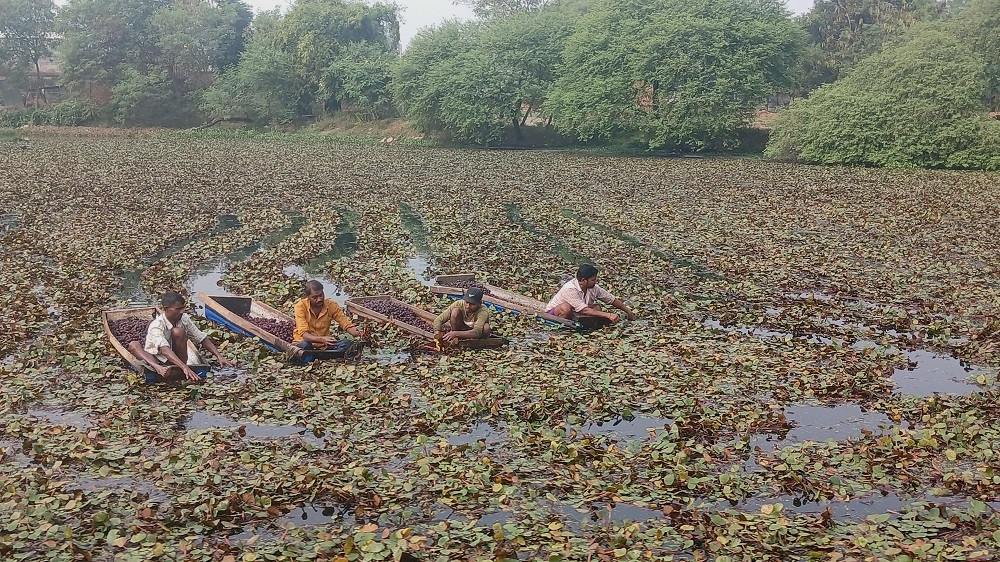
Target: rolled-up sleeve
[[156, 337], [602, 295], [443, 317], [192, 331], [482, 317], [338, 315]]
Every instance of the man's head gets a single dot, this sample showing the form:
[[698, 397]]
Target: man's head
[[314, 292], [586, 275], [473, 298], [173, 305]]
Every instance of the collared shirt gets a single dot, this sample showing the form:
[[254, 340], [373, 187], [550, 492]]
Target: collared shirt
[[578, 298], [477, 320], [158, 335], [308, 322]]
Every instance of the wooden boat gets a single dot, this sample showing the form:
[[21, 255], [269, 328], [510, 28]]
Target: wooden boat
[[231, 312], [499, 299], [357, 305], [111, 316]]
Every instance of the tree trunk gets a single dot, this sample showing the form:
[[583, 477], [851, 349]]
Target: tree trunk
[[38, 75], [526, 114]]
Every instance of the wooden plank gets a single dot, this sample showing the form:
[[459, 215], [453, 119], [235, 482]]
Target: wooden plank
[[453, 277]]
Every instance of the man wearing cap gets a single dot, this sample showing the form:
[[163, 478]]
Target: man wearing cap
[[578, 298], [465, 319]]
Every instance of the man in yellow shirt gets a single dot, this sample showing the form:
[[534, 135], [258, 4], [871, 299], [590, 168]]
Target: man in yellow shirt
[[465, 319], [314, 314]]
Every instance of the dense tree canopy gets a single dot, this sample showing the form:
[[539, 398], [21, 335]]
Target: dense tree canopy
[[26, 28], [903, 77], [678, 73], [842, 32], [479, 82], [916, 104]]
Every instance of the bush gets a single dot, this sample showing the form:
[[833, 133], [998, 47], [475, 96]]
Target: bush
[[916, 104], [143, 98], [70, 113]]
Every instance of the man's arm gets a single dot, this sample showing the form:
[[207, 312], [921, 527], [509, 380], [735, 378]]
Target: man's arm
[[441, 319], [167, 352], [620, 305], [345, 322], [209, 346]]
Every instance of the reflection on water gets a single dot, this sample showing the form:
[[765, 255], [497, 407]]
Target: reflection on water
[[201, 420], [933, 373], [822, 423]]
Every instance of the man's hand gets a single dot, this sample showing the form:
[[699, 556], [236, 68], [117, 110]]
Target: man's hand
[[631, 315], [330, 340], [354, 331], [613, 317], [191, 375], [223, 362], [451, 337]]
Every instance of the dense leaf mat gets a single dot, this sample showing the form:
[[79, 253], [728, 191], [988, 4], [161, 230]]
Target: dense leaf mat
[[793, 387]]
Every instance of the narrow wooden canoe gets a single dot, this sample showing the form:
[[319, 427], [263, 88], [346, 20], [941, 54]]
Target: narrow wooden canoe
[[111, 316], [499, 299], [357, 305], [231, 312]]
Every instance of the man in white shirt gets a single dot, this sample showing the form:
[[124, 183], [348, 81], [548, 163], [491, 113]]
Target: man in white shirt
[[167, 336], [578, 298]]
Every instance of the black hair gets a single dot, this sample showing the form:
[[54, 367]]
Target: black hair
[[311, 286], [171, 298], [586, 271]]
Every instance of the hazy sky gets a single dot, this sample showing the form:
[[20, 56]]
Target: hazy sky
[[422, 13]]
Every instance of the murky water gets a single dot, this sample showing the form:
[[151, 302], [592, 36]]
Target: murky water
[[621, 429], [311, 514], [59, 417], [206, 279], [120, 484], [9, 222], [345, 243], [132, 290], [482, 431], [857, 508], [13, 451], [419, 264], [823, 423], [420, 267], [934, 373], [202, 420]]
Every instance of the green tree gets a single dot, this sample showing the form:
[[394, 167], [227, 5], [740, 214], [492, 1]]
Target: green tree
[[143, 97], [261, 87], [843, 32], [674, 73], [192, 38], [478, 82], [26, 35], [104, 38], [318, 35], [978, 23], [361, 77], [916, 104], [502, 8]]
